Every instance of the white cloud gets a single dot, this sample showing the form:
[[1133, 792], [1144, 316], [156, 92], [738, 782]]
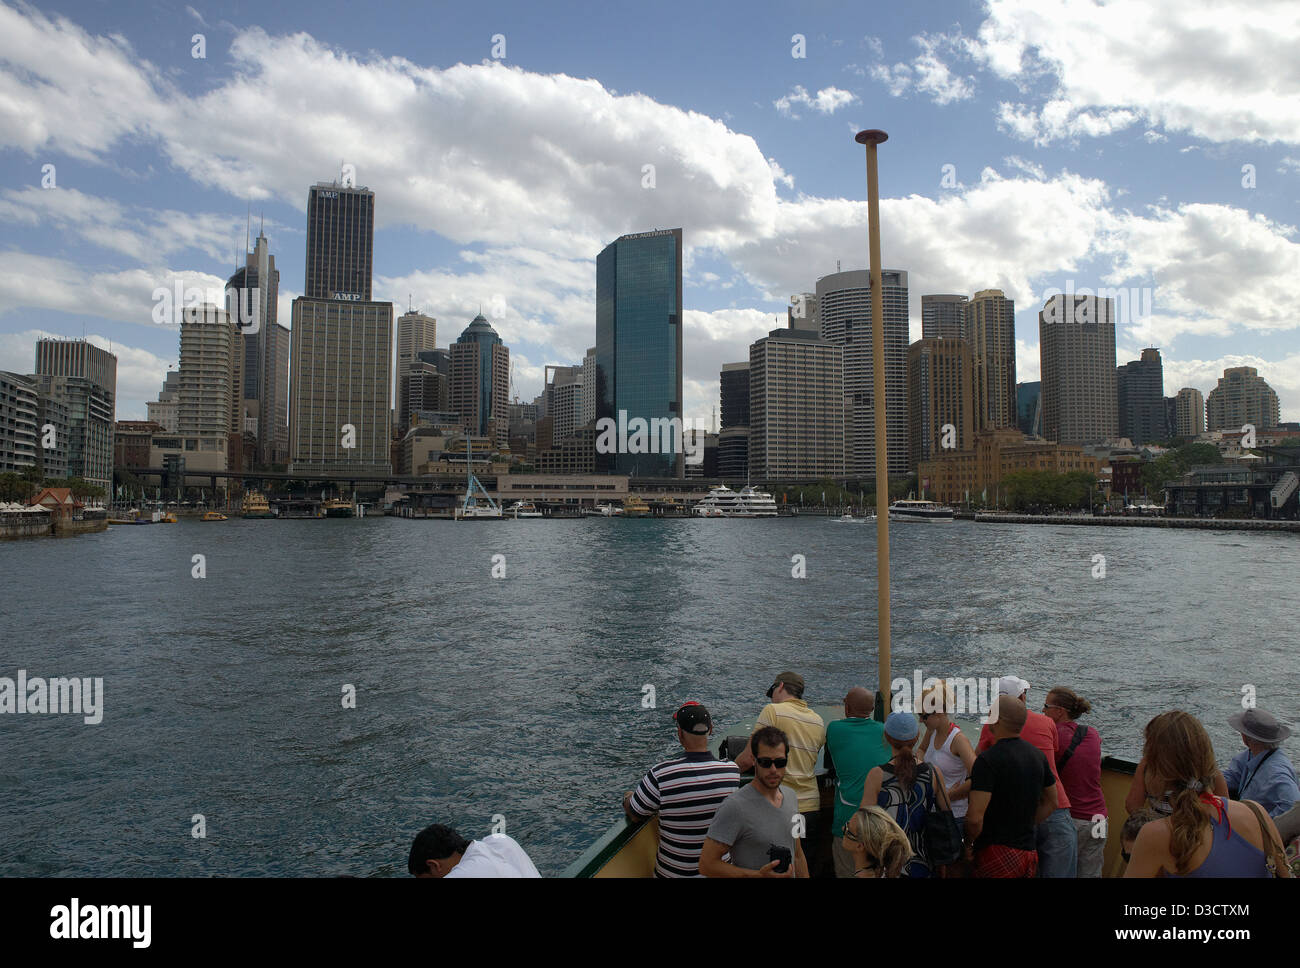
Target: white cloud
[[826, 101], [1222, 71], [927, 73]]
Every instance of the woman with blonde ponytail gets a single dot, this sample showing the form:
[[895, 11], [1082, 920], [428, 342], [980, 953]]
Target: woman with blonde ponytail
[[1205, 835]]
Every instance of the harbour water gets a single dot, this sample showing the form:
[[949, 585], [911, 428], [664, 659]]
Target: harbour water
[[521, 699]]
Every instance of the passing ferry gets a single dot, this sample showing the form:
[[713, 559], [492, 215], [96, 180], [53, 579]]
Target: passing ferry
[[919, 511]]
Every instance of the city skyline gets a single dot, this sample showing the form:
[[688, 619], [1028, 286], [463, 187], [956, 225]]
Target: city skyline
[[1123, 183]]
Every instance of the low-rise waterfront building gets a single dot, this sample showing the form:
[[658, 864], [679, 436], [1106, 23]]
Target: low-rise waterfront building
[[966, 475]]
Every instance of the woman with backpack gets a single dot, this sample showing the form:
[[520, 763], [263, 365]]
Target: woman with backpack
[[1078, 763], [908, 791]]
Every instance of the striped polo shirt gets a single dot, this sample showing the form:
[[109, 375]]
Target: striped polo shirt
[[685, 792], [807, 734]]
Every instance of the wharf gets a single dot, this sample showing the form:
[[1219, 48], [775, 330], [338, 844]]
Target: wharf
[[1119, 521]]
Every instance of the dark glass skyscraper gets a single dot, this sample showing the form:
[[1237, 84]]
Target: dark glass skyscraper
[[340, 242], [639, 343], [1140, 388]]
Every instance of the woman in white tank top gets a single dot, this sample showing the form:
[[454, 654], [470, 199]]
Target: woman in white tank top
[[946, 747]]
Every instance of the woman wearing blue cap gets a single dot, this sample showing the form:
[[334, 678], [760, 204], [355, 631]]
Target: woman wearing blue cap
[[907, 790]]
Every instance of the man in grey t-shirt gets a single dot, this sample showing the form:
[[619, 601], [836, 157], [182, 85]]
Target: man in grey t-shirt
[[757, 822]]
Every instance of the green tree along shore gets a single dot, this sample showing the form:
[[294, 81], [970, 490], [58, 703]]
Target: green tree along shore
[[22, 487]]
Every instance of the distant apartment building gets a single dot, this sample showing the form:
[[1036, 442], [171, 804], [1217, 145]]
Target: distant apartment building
[[943, 316], [588, 412], [52, 414], [940, 398], [1242, 397], [1189, 413], [480, 382], [796, 407], [639, 345], [132, 440], [20, 436], [1076, 344], [991, 330], [424, 384], [82, 378], [976, 474], [844, 311], [163, 410], [1140, 397], [802, 312]]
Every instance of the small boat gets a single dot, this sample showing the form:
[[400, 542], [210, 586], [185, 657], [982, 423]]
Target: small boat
[[603, 511], [523, 509], [212, 516], [478, 504], [635, 507], [168, 517], [919, 511], [708, 512], [256, 506]]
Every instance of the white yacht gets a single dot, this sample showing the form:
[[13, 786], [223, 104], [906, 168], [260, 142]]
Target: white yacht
[[603, 511], [523, 509], [919, 511], [748, 502]]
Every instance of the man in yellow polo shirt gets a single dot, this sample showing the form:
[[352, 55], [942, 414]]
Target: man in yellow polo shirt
[[807, 733]]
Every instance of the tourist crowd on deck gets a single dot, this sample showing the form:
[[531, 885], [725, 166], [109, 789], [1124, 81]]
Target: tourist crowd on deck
[[915, 798]]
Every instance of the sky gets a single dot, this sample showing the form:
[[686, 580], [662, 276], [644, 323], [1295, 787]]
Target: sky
[[1034, 146]]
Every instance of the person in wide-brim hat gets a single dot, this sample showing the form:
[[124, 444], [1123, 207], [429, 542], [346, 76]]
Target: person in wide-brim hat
[[1262, 772]]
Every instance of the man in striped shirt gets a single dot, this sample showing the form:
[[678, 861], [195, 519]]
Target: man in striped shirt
[[685, 792]]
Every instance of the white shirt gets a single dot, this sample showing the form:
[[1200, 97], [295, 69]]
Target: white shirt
[[496, 855]]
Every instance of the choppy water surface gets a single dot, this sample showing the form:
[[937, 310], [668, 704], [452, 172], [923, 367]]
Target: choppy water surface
[[522, 696]]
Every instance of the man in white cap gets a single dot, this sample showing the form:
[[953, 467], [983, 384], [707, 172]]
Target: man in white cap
[[1058, 841], [1262, 772]]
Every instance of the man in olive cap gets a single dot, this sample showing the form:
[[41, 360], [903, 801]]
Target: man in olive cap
[[806, 732], [1262, 772]]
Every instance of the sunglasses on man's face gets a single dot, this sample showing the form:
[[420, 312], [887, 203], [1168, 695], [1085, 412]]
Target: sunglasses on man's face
[[767, 762]]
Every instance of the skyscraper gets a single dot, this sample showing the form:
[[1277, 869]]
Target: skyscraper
[[340, 415], [940, 399], [264, 394], [340, 242], [82, 378], [639, 344], [1140, 395], [588, 388], [210, 364], [844, 310], [1189, 410], [733, 436], [480, 382], [991, 329], [416, 333], [1076, 343], [943, 317], [796, 407], [1028, 414], [1242, 397]]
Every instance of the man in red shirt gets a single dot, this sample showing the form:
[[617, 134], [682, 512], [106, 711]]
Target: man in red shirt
[[1058, 846]]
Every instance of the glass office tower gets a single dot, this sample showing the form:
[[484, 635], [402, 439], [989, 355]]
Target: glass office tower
[[639, 347]]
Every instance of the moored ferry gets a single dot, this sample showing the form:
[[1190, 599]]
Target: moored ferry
[[748, 502], [635, 507], [523, 509], [338, 508], [256, 506], [919, 511]]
